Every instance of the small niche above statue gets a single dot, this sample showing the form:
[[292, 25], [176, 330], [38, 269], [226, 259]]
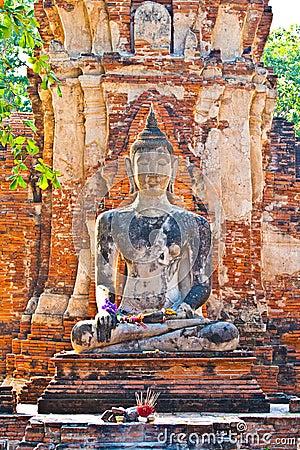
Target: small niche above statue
[[152, 27]]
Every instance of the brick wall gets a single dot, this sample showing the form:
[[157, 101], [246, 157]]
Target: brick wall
[[281, 215], [19, 247]]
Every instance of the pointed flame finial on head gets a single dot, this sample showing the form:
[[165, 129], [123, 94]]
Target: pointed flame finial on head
[[151, 138], [151, 119], [151, 129]]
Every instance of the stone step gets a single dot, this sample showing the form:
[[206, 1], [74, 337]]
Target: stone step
[[63, 433], [33, 389], [8, 400]]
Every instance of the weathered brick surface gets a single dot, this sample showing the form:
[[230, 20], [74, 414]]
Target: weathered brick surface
[[212, 108], [185, 382], [281, 213], [8, 400], [12, 429], [19, 248], [246, 432], [33, 389]]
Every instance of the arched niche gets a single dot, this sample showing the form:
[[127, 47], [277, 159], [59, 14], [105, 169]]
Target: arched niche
[[152, 24]]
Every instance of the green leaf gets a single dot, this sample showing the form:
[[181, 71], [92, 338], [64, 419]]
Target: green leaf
[[35, 22], [4, 138], [3, 27], [19, 8], [17, 150], [20, 140], [55, 183], [32, 147], [53, 77], [23, 167], [44, 84], [14, 184], [59, 93], [23, 40], [6, 32], [49, 174], [37, 67], [31, 151], [31, 143], [30, 41], [39, 168], [18, 100], [21, 181], [44, 58], [43, 182], [30, 124]]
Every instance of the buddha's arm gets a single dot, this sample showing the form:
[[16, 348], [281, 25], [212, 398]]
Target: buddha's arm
[[199, 278], [106, 259], [106, 256]]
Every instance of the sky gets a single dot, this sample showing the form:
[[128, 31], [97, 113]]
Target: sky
[[285, 13]]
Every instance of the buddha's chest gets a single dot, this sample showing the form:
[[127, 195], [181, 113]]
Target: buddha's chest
[[140, 235], [148, 232]]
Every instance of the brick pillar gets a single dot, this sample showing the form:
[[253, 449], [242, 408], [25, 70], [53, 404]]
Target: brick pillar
[[94, 154], [68, 157]]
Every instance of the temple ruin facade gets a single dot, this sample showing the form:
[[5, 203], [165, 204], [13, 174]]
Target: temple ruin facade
[[199, 64]]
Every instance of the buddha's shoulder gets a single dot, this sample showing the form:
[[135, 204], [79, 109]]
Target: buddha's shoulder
[[190, 218], [105, 217], [114, 214]]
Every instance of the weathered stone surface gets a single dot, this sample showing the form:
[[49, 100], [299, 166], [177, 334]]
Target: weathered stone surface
[[167, 253], [152, 23], [221, 336]]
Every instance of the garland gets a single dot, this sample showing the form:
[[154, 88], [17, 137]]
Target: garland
[[138, 319]]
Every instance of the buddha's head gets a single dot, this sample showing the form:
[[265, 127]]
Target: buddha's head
[[151, 164]]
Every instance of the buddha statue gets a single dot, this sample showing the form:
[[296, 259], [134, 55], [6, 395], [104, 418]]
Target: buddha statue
[[166, 251]]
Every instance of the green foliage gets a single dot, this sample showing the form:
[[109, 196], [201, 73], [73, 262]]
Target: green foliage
[[47, 175], [19, 38], [282, 53]]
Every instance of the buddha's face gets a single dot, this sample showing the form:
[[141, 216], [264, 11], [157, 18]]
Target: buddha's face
[[152, 170]]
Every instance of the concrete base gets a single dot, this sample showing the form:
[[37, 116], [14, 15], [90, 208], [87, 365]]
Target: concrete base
[[213, 382]]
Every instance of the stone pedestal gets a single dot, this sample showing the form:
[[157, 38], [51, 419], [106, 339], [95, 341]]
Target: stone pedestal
[[212, 382]]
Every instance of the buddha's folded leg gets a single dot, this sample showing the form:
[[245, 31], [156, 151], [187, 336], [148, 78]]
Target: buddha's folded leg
[[84, 334], [216, 336]]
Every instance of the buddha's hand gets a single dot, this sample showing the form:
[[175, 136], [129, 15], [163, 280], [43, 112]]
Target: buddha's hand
[[105, 323], [184, 311], [153, 317]]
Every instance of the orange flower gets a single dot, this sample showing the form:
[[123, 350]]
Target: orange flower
[[1, 3]]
